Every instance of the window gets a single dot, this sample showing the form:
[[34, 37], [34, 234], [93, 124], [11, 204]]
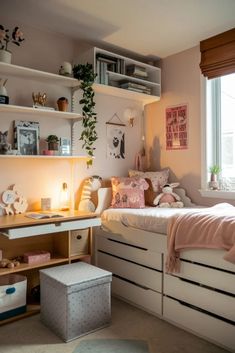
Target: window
[[220, 127]]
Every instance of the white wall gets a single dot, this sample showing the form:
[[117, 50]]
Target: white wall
[[46, 51]]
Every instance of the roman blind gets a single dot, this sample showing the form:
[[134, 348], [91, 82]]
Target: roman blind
[[218, 55]]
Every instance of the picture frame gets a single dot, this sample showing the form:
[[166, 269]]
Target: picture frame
[[26, 135], [177, 127]]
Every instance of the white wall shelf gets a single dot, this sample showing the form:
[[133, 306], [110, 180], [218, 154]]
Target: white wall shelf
[[114, 71], [9, 70], [124, 93], [15, 109], [10, 156]]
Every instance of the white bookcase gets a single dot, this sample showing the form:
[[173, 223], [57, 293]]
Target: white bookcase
[[114, 77]]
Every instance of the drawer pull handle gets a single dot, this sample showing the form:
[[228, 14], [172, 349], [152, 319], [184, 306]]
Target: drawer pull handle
[[57, 224], [79, 237]]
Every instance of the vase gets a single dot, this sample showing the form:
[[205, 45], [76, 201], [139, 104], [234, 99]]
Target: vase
[[5, 56]]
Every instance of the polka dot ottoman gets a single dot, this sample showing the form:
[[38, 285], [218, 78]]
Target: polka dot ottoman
[[75, 299]]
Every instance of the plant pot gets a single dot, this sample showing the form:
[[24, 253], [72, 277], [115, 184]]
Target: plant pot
[[5, 56], [53, 146], [62, 104]]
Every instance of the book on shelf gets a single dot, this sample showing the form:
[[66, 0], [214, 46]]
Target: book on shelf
[[42, 215], [132, 85], [136, 71], [145, 91]]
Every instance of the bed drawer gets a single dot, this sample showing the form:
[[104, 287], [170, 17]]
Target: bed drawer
[[131, 271], [146, 298], [209, 300], [130, 252], [200, 323], [211, 277]]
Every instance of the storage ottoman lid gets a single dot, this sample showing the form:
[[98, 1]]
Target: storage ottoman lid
[[77, 274]]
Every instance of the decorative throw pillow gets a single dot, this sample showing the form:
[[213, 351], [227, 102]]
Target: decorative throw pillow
[[128, 192], [158, 178]]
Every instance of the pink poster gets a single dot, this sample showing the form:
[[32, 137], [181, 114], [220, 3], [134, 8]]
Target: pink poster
[[177, 127]]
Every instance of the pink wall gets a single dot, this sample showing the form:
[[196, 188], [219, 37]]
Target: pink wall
[[180, 85]]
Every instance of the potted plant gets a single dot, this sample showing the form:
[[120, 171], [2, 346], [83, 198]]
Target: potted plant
[[16, 38], [53, 142], [214, 171], [86, 75]]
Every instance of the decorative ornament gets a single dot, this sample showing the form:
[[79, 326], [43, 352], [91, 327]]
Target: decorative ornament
[[13, 201]]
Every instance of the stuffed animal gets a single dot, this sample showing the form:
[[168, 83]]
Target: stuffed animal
[[168, 198], [90, 185]]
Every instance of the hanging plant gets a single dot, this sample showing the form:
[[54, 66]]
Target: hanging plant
[[86, 75]]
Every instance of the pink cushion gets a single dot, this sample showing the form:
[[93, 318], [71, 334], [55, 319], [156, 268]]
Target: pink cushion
[[158, 178], [128, 192]]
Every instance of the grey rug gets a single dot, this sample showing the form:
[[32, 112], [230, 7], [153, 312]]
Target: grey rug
[[112, 346]]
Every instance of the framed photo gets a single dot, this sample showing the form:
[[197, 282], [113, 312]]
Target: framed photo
[[26, 136]]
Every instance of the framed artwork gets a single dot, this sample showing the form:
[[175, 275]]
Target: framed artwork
[[115, 141], [26, 134], [177, 127]]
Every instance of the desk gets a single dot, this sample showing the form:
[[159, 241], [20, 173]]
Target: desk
[[19, 234]]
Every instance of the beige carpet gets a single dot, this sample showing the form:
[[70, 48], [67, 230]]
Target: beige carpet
[[31, 336]]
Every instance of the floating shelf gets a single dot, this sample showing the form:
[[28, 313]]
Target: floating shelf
[[16, 109], [42, 156], [9, 70]]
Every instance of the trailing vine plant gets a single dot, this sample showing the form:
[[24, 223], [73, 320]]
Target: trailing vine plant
[[86, 75]]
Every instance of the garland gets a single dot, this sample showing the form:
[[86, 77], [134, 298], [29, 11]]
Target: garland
[[86, 75]]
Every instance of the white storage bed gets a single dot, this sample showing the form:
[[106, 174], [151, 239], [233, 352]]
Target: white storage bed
[[200, 298]]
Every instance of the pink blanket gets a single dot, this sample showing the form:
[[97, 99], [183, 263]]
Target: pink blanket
[[210, 228]]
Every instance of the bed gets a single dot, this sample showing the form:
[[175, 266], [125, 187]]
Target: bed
[[200, 298]]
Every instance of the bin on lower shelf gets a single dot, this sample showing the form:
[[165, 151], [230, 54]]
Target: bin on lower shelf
[[75, 299], [12, 295]]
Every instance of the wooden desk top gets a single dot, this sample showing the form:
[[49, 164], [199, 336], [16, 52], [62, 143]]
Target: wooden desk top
[[14, 221]]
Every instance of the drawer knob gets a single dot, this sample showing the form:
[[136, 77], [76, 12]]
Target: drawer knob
[[79, 237]]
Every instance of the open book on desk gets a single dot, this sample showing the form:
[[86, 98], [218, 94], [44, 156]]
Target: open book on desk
[[38, 215]]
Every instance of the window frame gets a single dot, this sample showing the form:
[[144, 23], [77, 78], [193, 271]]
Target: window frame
[[208, 157]]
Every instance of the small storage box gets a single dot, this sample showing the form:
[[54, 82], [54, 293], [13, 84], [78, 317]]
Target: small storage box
[[75, 299], [79, 242], [12, 295]]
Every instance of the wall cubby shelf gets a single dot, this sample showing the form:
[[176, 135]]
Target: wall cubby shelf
[[113, 70]]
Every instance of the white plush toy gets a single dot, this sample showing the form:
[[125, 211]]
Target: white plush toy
[[168, 198], [90, 185]]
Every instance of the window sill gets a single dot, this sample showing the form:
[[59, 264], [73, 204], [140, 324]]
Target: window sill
[[218, 194]]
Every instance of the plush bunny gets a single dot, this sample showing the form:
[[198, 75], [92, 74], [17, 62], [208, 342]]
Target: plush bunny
[[168, 198]]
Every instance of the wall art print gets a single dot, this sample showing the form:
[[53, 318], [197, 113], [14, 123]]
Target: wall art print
[[177, 127], [115, 141]]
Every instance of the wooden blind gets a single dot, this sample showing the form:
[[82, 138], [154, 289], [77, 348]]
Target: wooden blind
[[218, 55]]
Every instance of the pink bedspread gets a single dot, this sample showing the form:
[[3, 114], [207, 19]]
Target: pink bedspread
[[210, 228]]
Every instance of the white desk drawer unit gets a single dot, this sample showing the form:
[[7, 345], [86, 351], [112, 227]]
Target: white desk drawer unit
[[58, 226]]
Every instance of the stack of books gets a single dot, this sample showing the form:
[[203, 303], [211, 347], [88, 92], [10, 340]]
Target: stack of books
[[106, 63], [137, 71], [136, 87]]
